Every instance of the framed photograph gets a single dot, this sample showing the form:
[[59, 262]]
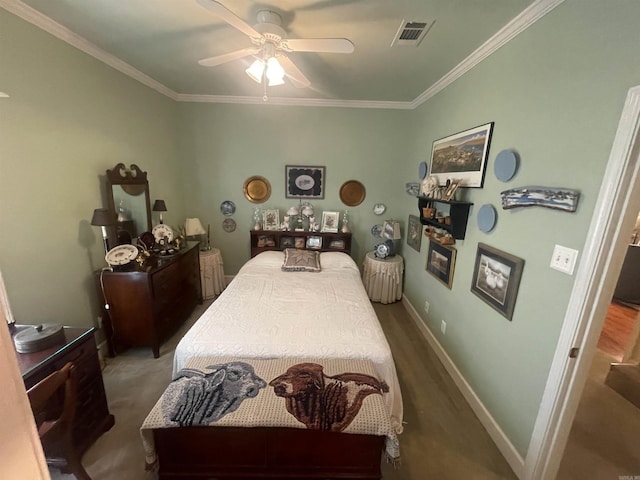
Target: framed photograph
[[299, 243], [451, 189], [271, 219], [496, 278], [287, 242], [462, 156], [314, 243], [304, 181], [337, 244], [441, 262], [330, 222], [414, 232]]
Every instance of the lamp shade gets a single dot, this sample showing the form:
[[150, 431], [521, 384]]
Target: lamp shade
[[103, 217], [391, 230], [159, 206], [193, 226]]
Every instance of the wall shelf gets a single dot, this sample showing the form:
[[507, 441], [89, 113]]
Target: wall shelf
[[458, 211]]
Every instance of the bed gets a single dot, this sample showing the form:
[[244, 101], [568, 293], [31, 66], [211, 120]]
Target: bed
[[275, 324]]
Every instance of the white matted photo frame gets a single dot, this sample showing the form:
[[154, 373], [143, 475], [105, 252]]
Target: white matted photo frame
[[463, 156], [441, 262], [496, 278], [303, 181], [271, 219], [330, 222]]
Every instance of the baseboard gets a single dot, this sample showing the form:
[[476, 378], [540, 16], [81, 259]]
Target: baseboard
[[511, 455]]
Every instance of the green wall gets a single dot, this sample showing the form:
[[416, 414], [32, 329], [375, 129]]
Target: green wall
[[223, 145], [68, 120], [555, 94]]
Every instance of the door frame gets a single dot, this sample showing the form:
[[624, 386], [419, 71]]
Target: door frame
[[616, 209]]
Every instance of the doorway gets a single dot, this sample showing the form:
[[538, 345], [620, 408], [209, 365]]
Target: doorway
[[616, 208]]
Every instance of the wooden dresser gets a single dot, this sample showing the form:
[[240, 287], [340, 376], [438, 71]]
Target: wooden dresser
[[147, 304], [92, 413]]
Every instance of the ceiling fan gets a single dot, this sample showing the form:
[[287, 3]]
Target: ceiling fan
[[270, 47]]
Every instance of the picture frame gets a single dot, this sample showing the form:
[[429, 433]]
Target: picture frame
[[337, 244], [451, 190], [303, 181], [314, 243], [271, 219], [330, 222], [441, 262], [496, 278], [287, 242], [463, 156], [414, 232]]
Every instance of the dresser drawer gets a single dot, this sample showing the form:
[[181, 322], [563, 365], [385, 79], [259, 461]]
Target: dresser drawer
[[85, 359]]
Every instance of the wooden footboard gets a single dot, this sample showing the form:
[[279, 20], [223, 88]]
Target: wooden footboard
[[221, 453]]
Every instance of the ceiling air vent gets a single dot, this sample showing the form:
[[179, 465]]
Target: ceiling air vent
[[411, 33]]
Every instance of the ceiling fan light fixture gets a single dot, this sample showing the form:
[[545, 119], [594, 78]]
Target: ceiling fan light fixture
[[256, 70], [275, 72]]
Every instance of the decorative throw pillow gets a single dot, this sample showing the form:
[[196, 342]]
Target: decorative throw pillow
[[296, 260]]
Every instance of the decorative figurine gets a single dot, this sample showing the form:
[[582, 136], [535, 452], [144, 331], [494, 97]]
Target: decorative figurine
[[345, 223]]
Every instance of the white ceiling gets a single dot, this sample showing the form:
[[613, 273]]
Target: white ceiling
[[159, 42]]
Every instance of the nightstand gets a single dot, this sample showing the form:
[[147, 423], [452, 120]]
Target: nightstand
[[211, 273], [382, 278]]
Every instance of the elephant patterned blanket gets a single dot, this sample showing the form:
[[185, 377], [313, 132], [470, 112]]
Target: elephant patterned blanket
[[340, 395]]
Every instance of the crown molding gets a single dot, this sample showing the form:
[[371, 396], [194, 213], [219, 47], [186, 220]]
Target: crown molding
[[45, 23], [524, 20], [294, 102], [521, 22]]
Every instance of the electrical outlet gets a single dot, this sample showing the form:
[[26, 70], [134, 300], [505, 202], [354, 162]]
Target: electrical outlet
[[564, 259], [426, 307], [443, 327]]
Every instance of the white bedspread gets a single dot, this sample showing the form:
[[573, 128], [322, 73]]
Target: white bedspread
[[268, 313]]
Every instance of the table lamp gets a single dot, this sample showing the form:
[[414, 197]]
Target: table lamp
[[103, 217], [160, 206], [193, 227]]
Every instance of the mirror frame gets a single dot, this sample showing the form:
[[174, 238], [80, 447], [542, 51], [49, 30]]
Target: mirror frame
[[133, 176]]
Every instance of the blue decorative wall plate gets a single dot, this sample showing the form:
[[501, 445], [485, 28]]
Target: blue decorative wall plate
[[505, 165], [487, 218]]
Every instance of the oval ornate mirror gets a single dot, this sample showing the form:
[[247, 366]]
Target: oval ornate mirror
[[128, 192]]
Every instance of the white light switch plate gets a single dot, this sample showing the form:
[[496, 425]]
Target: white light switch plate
[[564, 259]]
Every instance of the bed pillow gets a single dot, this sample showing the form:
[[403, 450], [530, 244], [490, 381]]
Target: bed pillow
[[298, 260]]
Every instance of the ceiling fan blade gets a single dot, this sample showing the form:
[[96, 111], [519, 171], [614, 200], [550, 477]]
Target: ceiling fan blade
[[227, 57], [328, 45], [295, 75], [228, 16]]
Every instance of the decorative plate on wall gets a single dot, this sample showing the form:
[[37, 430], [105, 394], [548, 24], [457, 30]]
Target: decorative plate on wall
[[229, 225], [376, 230], [352, 193], [379, 208], [422, 170], [257, 189], [228, 207], [487, 218], [505, 165]]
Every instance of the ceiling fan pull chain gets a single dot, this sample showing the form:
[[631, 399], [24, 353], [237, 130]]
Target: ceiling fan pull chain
[[264, 87]]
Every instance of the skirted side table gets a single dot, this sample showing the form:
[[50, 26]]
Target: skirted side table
[[211, 273], [382, 278]]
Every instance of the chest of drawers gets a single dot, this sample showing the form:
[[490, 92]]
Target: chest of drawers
[[92, 413], [147, 305]]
